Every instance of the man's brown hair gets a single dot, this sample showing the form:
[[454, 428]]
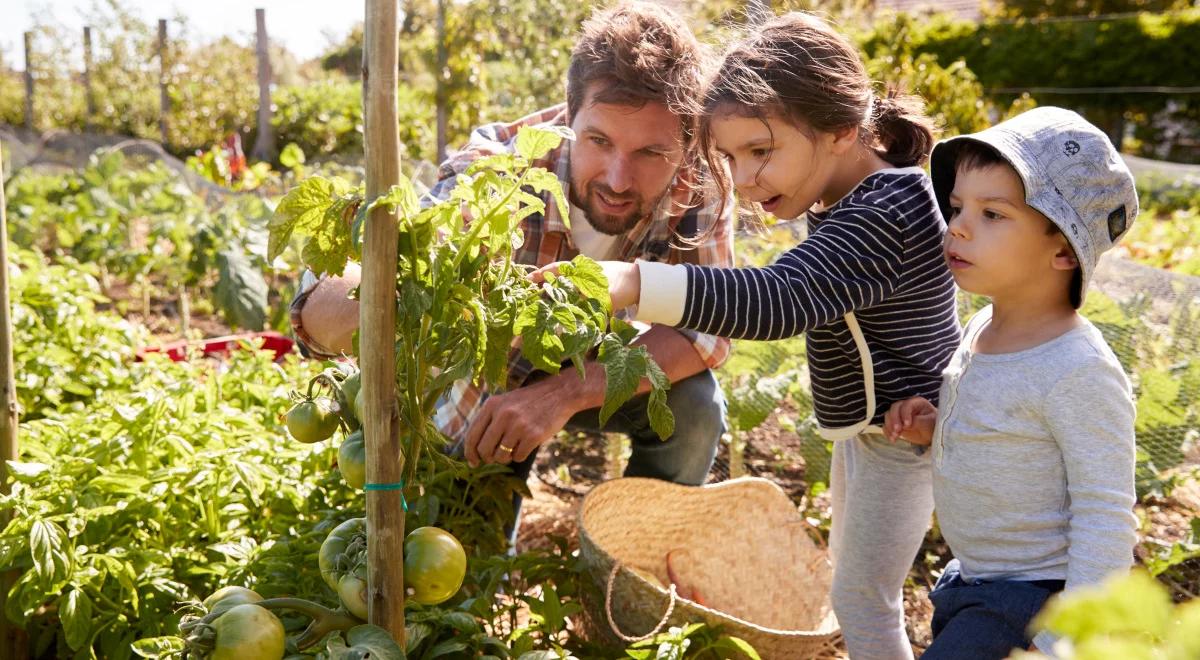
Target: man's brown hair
[[638, 52]]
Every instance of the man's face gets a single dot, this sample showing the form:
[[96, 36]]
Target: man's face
[[623, 161]]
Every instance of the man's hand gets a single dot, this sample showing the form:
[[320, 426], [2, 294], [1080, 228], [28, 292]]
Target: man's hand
[[912, 420], [510, 426], [624, 281]]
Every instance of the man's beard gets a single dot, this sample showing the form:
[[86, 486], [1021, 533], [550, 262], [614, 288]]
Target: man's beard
[[607, 223]]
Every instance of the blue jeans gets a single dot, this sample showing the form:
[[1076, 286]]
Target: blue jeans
[[684, 458], [982, 620]]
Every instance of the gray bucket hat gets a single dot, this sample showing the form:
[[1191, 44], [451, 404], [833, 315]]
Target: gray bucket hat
[[1071, 172]]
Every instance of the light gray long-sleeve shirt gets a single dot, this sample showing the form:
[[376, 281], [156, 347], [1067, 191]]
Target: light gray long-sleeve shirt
[[1033, 457]]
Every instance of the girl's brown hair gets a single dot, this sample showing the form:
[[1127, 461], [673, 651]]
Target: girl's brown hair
[[798, 68]]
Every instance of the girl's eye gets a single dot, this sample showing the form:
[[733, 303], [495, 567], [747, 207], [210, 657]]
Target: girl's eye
[[760, 153]]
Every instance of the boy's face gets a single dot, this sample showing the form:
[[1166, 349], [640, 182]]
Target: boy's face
[[997, 245]]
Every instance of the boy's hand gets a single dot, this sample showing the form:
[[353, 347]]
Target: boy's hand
[[912, 420], [624, 281]]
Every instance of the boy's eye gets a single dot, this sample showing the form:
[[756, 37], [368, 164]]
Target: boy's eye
[[992, 215], [954, 211]]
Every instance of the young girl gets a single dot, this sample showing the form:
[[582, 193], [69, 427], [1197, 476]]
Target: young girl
[[791, 113]]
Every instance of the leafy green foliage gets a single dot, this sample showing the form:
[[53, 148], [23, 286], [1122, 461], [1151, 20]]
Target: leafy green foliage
[[695, 640], [462, 299], [1152, 49], [138, 223], [64, 350], [1129, 616], [153, 493]]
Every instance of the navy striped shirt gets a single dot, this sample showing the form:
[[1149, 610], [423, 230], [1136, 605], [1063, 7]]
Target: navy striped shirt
[[878, 253]]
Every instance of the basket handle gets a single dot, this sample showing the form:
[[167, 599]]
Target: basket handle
[[612, 623]]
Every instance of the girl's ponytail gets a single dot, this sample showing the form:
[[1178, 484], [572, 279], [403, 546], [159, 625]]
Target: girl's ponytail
[[903, 130]]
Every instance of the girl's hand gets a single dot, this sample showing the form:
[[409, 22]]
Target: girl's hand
[[912, 420], [624, 281]]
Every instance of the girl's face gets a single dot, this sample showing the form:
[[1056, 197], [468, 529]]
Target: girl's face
[[774, 163]]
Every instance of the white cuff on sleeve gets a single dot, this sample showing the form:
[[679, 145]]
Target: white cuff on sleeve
[[1045, 641], [663, 294]]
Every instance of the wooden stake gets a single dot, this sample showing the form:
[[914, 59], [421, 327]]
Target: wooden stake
[[264, 144], [442, 64], [12, 638], [29, 81], [87, 77], [164, 101], [377, 323]]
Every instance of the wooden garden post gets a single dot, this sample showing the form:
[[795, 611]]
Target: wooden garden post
[[377, 323], [29, 81], [164, 101], [87, 77], [264, 144], [11, 637], [442, 75]]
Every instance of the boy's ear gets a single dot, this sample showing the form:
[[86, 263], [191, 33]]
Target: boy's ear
[[1064, 258]]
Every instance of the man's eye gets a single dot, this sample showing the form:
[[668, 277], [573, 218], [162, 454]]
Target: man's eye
[[599, 141]]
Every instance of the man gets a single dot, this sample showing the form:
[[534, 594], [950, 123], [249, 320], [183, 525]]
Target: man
[[636, 191]]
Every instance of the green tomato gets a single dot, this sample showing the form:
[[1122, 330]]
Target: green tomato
[[434, 565], [350, 388], [227, 597], [359, 404], [335, 546], [352, 591], [352, 460], [313, 420], [248, 631]]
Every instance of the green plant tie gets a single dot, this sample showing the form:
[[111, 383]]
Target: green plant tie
[[399, 485]]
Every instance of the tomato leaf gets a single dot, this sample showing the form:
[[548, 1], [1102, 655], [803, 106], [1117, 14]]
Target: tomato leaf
[[536, 142], [158, 647], [365, 641]]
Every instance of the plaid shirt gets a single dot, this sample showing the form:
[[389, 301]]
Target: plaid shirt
[[683, 213]]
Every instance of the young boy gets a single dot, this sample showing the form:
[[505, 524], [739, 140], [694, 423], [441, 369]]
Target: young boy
[[1033, 447]]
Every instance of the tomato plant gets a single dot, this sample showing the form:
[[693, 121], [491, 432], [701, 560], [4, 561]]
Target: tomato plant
[[468, 274]]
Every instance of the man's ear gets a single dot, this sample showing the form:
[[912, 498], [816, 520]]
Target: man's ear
[[1064, 258]]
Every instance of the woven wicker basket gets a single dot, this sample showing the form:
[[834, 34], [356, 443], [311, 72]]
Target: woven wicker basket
[[741, 544]]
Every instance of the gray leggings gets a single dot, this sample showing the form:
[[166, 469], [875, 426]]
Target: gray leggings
[[882, 502]]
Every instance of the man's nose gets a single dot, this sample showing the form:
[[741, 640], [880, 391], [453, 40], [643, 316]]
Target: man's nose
[[619, 175]]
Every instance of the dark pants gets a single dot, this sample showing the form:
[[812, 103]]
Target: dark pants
[[983, 620]]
